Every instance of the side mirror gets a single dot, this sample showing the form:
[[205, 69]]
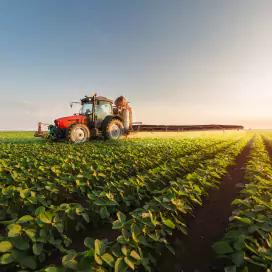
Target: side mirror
[[72, 103]]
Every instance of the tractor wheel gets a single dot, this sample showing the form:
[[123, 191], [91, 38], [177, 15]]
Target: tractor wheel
[[113, 130], [78, 133]]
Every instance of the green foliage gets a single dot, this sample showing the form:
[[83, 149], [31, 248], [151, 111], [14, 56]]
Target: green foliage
[[52, 193], [5, 246]]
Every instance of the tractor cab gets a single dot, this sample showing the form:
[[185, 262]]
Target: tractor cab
[[97, 108]]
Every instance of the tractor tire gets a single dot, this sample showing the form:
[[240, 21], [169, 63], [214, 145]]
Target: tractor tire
[[78, 133], [113, 130]]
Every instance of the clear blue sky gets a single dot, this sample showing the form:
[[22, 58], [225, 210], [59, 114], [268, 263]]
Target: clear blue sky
[[178, 62]]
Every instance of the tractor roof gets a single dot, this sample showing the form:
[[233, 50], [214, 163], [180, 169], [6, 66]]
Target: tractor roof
[[88, 99], [102, 98]]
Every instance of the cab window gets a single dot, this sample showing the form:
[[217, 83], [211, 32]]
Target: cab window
[[103, 109]]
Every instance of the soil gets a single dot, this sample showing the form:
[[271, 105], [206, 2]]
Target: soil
[[194, 252]]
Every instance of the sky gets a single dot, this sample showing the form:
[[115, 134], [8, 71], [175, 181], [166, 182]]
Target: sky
[[178, 62]]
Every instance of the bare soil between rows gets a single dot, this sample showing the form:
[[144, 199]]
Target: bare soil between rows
[[194, 252]]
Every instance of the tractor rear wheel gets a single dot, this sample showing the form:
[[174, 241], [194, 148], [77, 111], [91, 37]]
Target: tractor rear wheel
[[78, 133], [113, 130]]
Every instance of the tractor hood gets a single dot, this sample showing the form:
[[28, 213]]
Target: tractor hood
[[66, 122]]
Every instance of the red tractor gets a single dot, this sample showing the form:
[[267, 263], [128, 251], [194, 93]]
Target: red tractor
[[98, 117]]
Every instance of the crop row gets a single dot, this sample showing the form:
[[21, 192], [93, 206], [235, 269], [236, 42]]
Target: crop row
[[247, 245], [143, 231]]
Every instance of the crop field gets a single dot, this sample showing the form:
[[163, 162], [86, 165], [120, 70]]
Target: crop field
[[178, 203]]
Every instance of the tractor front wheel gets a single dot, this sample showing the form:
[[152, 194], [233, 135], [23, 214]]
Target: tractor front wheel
[[113, 130], [78, 133]]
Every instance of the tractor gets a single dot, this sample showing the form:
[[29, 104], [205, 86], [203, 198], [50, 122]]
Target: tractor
[[98, 116]]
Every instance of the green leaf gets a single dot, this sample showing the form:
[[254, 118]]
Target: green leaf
[[238, 258], [121, 239], [42, 257], [30, 232], [108, 258], [37, 248], [99, 247], [59, 226], [39, 210], [120, 265], [53, 269], [24, 193], [20, 243], [115, 250], [130, 262], [239, 243], [143, 241], [117, 225], [43, 233], [222, 247], [6, 258], [79, 210], [134, 254], [46, 217], [8, 222], [5, 246], [69, 261], [237, 202], [86, 217], [243, 220], [169, 223], [14, 230], [98, 259], [124, 250], [89, 242], [25, 219], [104, 212], [121, 217], [28, 262], [134, 237]]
